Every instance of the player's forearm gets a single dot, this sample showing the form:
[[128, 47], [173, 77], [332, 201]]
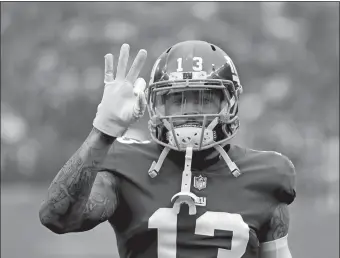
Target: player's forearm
[[70, 189]]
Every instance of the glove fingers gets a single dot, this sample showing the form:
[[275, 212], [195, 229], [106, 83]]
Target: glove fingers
[[108, 68], [122, 62], [137, 65], [139, 86]]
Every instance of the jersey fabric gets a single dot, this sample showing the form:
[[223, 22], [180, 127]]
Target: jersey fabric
[[231, 213]]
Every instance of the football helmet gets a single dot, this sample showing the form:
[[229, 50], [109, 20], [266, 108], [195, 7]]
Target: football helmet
[[205, 73]]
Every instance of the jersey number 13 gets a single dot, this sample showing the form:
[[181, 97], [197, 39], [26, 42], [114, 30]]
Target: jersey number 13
[[165, 220]]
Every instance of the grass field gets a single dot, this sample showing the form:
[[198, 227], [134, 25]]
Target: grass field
[[314, 230]]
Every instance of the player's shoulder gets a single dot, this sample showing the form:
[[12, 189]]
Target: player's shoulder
[[130, 151], [276, 169], [275, 161]]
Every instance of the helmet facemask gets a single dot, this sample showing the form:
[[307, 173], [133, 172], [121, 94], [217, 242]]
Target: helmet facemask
[[193, 113]]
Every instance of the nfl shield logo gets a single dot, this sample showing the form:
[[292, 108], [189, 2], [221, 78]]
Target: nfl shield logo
[[200, 182]]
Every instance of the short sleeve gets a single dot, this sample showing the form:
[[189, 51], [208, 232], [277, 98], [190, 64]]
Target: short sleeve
[[110, 161], [287, 190]]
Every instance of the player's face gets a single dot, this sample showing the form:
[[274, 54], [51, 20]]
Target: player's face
[[189, 102], [192, 102]]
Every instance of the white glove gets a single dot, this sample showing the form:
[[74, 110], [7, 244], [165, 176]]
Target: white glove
[[123, 101]]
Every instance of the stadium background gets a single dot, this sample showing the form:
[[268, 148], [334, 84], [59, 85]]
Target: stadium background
[[52, 61]]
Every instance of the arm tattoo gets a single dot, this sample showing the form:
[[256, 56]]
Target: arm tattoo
[[69, 192], [277, 226], [101, 203], [279, 223]]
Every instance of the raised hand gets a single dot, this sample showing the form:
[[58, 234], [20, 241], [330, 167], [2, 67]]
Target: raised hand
[[123, 101]]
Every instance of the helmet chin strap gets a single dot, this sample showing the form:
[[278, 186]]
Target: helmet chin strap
[[185, 196], [234, 170], [155, 167]]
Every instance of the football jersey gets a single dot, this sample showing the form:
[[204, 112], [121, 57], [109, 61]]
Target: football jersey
[[231, 212]]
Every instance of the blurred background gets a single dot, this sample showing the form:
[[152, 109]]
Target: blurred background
[[52, 62]]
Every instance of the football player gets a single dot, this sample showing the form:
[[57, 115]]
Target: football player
[[189, 192]]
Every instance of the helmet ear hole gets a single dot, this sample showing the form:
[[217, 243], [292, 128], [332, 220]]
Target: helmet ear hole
[[213, 47]]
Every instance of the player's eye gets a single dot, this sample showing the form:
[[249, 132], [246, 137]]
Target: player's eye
[[206, 98]]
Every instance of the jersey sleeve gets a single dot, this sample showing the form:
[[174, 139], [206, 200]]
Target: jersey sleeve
[[111, 162], [286, 193], [128, 155]]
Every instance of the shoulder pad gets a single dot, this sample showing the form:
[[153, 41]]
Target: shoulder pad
[[286, 193], [280, 174]]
